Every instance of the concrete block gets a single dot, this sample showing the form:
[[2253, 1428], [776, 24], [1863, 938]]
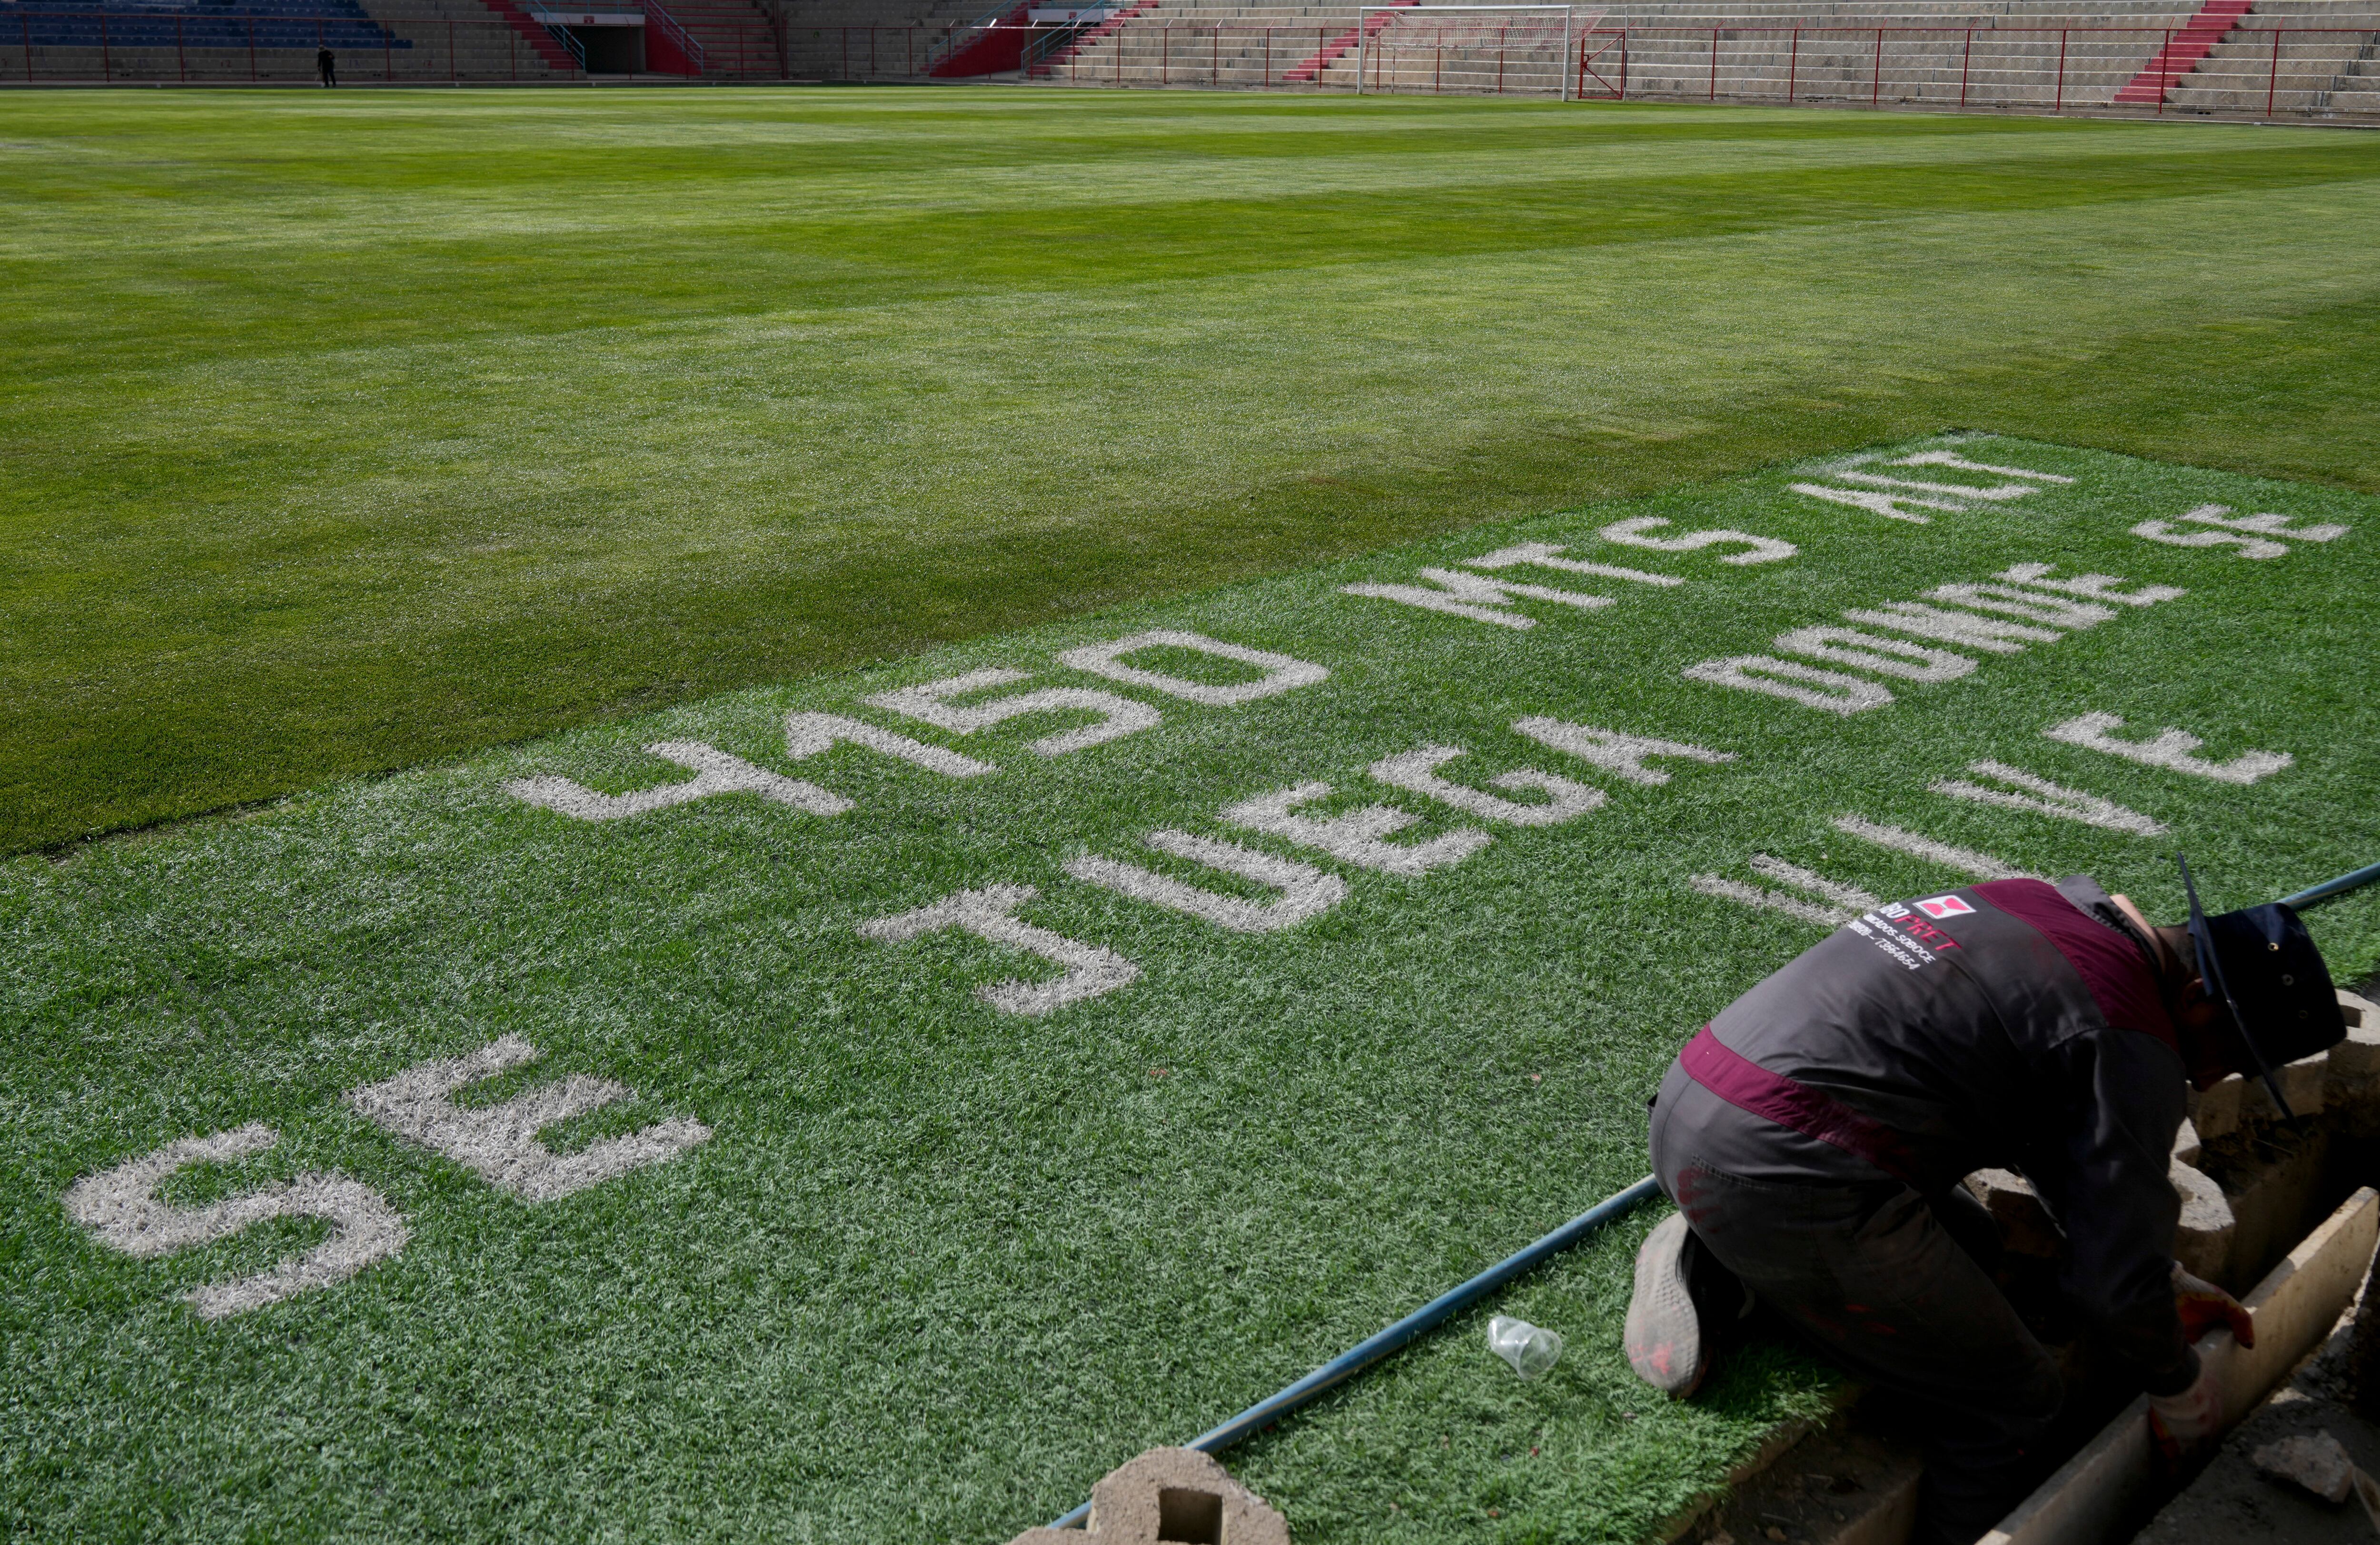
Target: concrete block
[[2302, 1081], [2026, 1227], [2359, 1054], [2202, 1240], [2236, 1101], [2215, 1112], [2094, 1495], [2351, 1090], [2313, 1460], [2186, 1144], [1170, 1496], [2274, 1203]]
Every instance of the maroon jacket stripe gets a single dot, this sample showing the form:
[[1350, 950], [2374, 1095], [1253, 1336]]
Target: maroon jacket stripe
[[2119, 981], [1812, 1113]]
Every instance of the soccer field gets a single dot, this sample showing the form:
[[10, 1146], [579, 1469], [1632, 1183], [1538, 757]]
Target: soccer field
[[343, 432], [1054, 753], [998, 1062]]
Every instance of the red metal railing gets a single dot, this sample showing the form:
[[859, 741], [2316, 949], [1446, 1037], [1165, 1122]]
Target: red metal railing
[[2052, 67], [2295, 69], [674, 37]]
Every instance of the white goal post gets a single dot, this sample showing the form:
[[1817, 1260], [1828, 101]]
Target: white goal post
[[1567, 15]]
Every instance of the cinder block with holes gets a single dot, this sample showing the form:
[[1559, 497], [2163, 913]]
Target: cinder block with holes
[[2352, 1086], [1170, 1496]]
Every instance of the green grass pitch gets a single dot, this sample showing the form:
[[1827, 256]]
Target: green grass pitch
[[934, 1265], [348, 433], [342, 431]]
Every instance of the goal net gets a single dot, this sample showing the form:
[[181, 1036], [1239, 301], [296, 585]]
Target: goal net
[[1471, 50]]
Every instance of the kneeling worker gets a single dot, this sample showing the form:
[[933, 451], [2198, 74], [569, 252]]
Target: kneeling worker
[[1814, 1136]]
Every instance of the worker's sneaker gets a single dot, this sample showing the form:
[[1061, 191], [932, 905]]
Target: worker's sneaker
[[1683, 1298]]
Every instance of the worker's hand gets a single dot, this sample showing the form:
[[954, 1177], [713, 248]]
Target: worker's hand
[[2204, 1305], [2188, 1420]]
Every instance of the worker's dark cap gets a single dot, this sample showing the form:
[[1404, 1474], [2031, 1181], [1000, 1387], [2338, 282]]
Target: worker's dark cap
[[2278, 978]]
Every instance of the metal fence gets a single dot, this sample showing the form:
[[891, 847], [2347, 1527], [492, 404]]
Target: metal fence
[[151, 47], [2263, 71], [2276, 71], [2270, 72]]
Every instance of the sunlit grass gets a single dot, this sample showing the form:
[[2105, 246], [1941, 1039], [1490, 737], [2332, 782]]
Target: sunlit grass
[[343, 432]]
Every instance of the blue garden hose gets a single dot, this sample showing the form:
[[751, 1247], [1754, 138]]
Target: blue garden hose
[[2330, 889], [1348, 1364]]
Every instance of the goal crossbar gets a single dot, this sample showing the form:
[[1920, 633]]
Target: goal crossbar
[[1569, 14]]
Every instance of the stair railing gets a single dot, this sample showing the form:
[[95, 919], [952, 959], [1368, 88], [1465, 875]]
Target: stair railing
[[2346, 71], [686, 44], [1062, 34], [544, 16], [949, 43]]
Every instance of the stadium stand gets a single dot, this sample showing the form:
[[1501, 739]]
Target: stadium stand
[[2182, 53], [889, 39], [735, 38], [2309, 57], [278, 40], [2329, 73], [158, 24], [2282, 57], [479, 39]]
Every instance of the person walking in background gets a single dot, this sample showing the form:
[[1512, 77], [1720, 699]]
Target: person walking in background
[[328, 63]]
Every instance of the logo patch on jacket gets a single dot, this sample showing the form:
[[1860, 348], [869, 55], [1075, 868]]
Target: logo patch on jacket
[[1943, 906]]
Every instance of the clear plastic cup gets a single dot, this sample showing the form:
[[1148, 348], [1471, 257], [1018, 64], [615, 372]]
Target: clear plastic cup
[[1531, 1349]]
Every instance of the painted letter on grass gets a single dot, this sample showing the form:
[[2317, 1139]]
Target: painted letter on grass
[[501, 1143], [1546, 555], [2090, 587], [1807, 684], [1281, 673], [122, 1207], [2044, 797], [2168, 748], [1416, 771], [1615, 752], [808, 735], [715, 771], [1952, 458], [1467, 595], [1118, 715], [1305, 892], [2253, 534], [1873, 651], [1356, 837], [1762, 550], [1966, 860], [1838, 902], [990, 914]]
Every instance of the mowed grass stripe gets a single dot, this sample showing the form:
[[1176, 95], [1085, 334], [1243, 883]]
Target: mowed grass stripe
[[525, 277], [762, 170], [494, 444]]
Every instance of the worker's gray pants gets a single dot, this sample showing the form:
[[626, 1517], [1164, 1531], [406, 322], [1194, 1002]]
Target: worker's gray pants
[[1897, 1289]]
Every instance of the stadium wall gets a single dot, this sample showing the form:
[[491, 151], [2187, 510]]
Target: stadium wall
[[2314, 59]]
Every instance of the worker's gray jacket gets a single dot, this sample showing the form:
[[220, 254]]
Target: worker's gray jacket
[[2013, 1025]]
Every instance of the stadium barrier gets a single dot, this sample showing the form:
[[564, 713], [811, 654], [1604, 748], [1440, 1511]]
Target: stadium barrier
[[152, 48], [2263, 71], [2269, 71]]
